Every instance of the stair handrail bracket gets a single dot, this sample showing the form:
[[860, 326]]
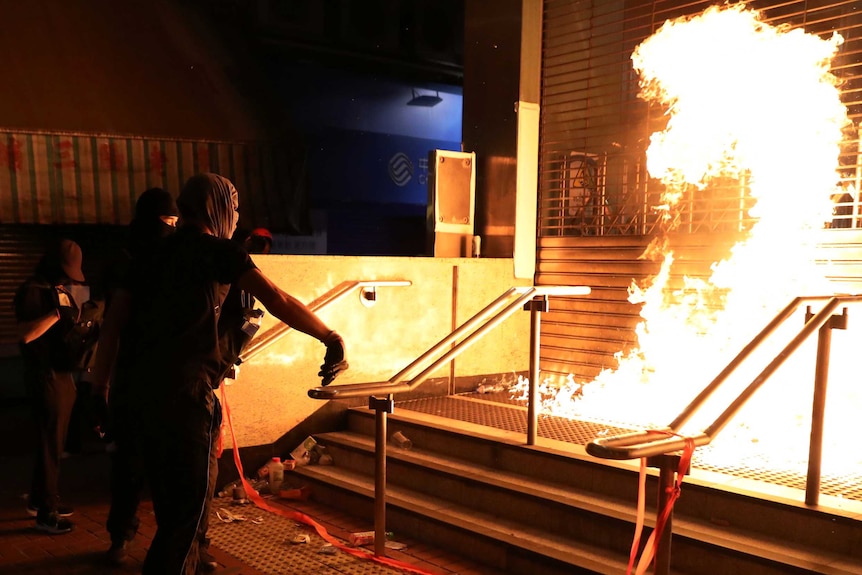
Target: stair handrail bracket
[[665, 441], [653, 446], [450, 346]]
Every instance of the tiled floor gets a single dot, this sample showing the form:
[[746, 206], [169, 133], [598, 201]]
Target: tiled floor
[[84, 481]]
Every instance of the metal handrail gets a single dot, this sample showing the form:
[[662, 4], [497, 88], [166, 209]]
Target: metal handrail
[[275, 333], [661, 446], [655, 442], [380, 395], [482, 322]]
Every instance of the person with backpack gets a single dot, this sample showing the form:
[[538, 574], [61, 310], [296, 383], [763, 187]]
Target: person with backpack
[[178, 361], [52, 343]]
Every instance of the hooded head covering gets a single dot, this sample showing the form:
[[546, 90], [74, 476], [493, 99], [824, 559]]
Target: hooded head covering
[[212, 200], [147, 225], [62, 261], [155, 203]]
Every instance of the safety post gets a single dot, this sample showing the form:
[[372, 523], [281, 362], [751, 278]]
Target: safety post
[[381, 407], [668, 465], [535, 306], [818, 409]]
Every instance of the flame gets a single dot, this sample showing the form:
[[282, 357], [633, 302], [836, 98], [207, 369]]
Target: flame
[[758, 104]]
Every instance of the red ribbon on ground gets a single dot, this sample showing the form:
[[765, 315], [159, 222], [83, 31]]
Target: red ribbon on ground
[[255, 498]]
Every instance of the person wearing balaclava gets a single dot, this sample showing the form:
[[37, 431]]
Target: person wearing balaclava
[[155, 219], [46, 312], [178, 363]]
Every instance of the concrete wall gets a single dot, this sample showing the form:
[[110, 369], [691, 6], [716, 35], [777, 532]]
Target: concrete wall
[[269, 398]]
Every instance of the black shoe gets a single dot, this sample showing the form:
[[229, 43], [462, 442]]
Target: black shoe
[[54, 525], [207, 562], [62, 510], [117, 553]]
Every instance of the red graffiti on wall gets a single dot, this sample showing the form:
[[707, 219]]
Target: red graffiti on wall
[[65, 155], [10, 154], [158, 159], [110, 157]]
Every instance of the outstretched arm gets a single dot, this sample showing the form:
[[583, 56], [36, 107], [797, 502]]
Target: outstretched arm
[[298, 316]]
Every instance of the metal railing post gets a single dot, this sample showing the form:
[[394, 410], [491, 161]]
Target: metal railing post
[[666, 477], [381, 407], [818, 409], [535, 306]]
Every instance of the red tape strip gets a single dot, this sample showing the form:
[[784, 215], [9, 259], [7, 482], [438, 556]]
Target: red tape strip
[[255, 498]]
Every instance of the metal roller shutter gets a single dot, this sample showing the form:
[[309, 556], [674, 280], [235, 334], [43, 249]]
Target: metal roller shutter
[[595, 196]]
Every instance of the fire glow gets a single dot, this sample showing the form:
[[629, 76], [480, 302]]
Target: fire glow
[[758, 104]]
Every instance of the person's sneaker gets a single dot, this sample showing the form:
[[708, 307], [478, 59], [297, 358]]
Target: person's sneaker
[[117, 554], [54, 525], [207, 561], [62, 510]]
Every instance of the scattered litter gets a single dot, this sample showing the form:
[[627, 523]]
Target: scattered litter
[[328, 549], [401, 440], [303, 454], [365, 537], [395, 545], [299, 539], [257, 520], [302, 493], [229, 517], [361, 538], [490, 388], [325, 459]]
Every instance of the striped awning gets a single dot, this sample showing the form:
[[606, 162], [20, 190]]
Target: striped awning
[[68, 178]]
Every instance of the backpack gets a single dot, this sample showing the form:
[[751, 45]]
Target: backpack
[[82, 338], [238, 323]]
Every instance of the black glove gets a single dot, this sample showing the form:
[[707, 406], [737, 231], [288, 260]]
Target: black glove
[[335, 360], [68, 315]]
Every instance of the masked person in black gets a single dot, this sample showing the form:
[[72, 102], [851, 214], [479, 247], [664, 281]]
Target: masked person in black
[[177, 359], [46, 313], [154, 220]]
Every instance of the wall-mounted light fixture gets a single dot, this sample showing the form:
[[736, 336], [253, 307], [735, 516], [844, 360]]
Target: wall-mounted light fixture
[[368, 290], [425, 100]]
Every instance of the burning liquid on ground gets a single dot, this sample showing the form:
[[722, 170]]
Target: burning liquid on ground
[[757, 103]]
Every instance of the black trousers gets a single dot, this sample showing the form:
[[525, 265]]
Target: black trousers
[[178, 442], [52, 397], [127, 475]]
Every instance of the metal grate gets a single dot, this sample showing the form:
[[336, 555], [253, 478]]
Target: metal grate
[[266, 545], [497, 411]]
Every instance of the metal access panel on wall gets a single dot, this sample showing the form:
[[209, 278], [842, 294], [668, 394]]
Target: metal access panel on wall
[[451, 203]]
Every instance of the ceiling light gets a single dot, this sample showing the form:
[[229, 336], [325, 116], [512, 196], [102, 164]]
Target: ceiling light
[[425, 100]]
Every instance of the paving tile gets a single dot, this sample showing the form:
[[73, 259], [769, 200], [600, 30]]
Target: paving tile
[[84, 484]]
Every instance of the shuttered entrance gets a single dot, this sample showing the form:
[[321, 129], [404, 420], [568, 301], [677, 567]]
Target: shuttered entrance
[[84, 186], [67, 178], [595, 212]]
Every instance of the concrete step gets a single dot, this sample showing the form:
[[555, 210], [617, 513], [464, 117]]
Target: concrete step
[[560, 494]]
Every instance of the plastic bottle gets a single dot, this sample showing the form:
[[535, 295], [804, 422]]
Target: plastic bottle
[[276, 475]]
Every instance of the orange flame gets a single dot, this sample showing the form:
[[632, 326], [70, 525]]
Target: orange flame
[[753, 102]]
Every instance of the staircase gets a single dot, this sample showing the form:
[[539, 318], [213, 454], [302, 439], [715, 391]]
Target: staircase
[[551, 509]]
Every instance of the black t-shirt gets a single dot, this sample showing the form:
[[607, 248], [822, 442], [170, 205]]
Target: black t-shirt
[[36, 298], [177, 301]]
